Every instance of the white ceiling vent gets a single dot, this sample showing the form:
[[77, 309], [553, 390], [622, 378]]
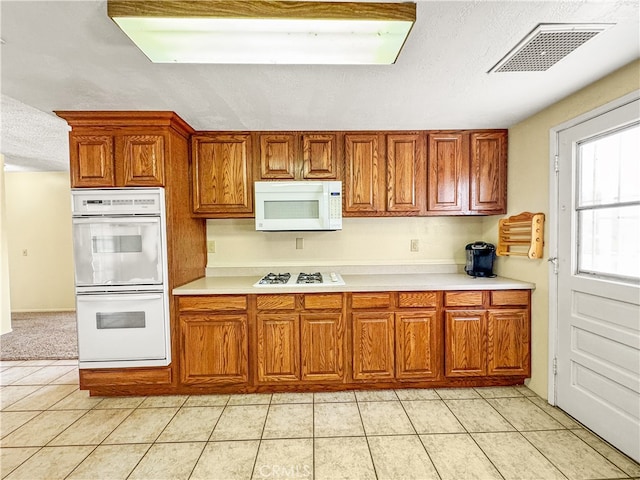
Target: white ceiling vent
[[546, 45]]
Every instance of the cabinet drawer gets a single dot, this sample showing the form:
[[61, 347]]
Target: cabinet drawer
[[463, 299], [371, 300], [213, 303], [276, 302], [509, 297], [417, 299], [333, 300]]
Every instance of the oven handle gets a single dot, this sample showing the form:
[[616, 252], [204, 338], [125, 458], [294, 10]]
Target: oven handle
[[100, 297], [128, 219]]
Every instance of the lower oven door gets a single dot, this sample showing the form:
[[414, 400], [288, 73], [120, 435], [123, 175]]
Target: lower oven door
[[122, 327]]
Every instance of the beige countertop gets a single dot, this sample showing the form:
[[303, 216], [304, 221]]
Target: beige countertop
[[225, 285]]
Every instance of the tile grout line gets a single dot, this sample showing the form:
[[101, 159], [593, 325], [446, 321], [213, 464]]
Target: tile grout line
[[255, 460], [366, 437]]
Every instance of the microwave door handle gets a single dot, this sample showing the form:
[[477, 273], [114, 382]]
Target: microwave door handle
[[98, 297]]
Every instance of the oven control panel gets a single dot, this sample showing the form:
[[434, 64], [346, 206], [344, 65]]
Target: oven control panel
[[125, 201]]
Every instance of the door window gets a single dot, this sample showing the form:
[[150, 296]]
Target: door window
[[608, 204]]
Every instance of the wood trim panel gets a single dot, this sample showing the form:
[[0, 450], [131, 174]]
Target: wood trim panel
[[276, 302], [501, 298], [471, 298], [158, 376], [371, 300], [323, 300], [212, 303], [417, 299]]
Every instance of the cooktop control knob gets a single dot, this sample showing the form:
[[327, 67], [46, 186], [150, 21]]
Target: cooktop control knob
[[334, 277]]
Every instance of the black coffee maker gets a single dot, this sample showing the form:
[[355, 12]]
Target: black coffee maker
[[480, 256]]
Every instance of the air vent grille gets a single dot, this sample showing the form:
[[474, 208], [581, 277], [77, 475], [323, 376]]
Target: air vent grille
[[545, 46]]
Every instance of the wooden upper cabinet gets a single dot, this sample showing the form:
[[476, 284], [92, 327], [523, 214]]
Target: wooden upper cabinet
[[447, 173], [142, 160], [406, 176], [363, 183], [277, 156], [320, 156], [222, 180], [92, 161], [488, 165]]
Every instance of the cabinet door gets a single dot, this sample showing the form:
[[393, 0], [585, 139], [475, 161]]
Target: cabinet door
[[214, 349], [278, 347], [417, 348], [322, 347], [222, 182], [373, 354], [277, 156], [508, 342], [406, 177], [465, 340], [363, 182], [320, 156], [142, 160], [448, 173], [92, 160], [488, 172]]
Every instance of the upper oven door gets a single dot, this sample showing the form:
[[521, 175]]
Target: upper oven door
[[116, 251]]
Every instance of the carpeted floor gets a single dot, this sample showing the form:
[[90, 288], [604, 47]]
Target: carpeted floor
[[40, 336]]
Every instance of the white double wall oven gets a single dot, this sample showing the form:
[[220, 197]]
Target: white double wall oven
[[120, 253]]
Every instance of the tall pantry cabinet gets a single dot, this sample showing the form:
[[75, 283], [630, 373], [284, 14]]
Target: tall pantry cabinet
[[142, 149]]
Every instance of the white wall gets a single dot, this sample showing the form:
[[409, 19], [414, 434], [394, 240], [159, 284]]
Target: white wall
[[362, 241], [39, 221], [528, 190], [5, 299]]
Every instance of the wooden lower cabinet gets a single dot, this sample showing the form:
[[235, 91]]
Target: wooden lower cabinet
[[213, 349], [373, 345], [322, 347], [418, 349], [465, 347], [278, 347], [508, 342]]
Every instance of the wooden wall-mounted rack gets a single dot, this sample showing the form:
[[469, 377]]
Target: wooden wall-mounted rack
[[521, 235]]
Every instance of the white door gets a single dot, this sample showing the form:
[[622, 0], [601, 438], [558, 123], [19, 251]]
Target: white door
[[598, 307]]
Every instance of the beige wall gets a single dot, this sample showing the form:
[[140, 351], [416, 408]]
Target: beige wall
[[528, 190], [362, 241], [5, 299], [39, 220]]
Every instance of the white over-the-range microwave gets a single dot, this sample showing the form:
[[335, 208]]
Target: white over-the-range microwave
[[298, 205]]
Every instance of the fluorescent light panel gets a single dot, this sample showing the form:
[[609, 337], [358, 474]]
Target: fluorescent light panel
[[294, 33]]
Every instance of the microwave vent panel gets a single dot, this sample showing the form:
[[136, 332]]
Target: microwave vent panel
[[546, 45]]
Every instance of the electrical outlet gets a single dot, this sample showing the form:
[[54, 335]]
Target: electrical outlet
[[25, 252], [211, 246], [299, 243], [415, 245]]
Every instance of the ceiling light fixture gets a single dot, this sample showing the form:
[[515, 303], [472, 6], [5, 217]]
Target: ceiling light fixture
[[265, 32]]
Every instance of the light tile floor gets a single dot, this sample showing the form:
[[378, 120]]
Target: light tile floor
[[49, 429]]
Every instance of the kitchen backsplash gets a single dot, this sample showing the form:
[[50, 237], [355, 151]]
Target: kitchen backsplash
[[362, 241]]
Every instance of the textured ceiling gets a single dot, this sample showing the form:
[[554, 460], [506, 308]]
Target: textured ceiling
[[71, 56]]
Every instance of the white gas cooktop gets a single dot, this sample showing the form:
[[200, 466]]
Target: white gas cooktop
[[301, 279]]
